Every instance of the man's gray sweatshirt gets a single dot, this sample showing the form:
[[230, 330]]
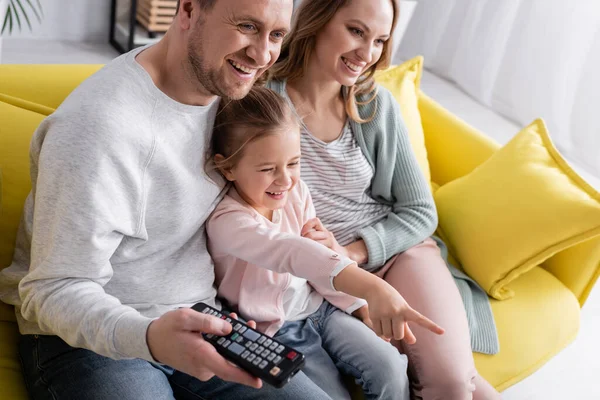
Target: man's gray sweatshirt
[[112, 234]]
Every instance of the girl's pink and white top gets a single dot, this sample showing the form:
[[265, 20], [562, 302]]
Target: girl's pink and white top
[[257, 261]]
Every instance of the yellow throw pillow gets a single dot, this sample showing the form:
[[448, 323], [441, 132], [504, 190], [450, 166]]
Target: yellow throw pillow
[[517, 209], [403, 81]]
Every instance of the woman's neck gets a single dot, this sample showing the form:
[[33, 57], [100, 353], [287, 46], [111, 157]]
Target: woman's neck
[[317, 91]]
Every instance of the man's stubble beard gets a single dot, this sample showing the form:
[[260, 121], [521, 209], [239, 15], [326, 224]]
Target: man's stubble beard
[[209, 80]]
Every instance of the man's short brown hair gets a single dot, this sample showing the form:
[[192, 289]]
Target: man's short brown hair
[[204, 4]]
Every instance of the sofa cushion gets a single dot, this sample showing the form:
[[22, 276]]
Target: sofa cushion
[[403, 81], [541, 320], [16, 128], [517, 209]]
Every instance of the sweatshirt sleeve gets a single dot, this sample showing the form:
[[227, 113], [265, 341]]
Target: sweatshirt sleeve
[[88, 195], [234, 230], [397, 177]]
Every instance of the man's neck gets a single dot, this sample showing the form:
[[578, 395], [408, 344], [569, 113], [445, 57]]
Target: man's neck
[[167, 64]]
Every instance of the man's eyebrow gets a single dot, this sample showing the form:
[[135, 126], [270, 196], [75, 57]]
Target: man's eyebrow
[[247, 18], [260, 24]]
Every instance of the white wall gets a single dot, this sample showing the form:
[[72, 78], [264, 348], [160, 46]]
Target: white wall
[[71, 20]]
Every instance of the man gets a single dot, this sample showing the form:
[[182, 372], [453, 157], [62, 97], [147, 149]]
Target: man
[[112, 242]]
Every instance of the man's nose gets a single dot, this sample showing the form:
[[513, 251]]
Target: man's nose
[[259, 51]]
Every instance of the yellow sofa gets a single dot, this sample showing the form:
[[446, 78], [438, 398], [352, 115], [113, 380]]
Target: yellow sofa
[[541, 319]]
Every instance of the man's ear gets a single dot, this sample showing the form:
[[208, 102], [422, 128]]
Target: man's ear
[[184, 15], [227, 172]]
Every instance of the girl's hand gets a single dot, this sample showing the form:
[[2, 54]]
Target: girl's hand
[[314, 230], [363, 314], [390, 314]]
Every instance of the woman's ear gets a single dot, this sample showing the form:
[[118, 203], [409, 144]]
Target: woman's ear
[[227, 172]]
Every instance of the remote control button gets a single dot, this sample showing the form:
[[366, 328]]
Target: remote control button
[[275, 371], [234, 336], [251, 357], [265, 353], [248, 343], [277, 360], [251, 335], [271, 356], [279, 349], [210, 335], [239, 339], [273, 346], [261, 339], [229, 320], [260, 350], [223, 317], [243, 329], [253, 346], [263, 364], [236, 348], [221, 340], [237, 327], [257, 360], [245, 354], [205, 310], [227, 343], [292, 355], [268, 342]]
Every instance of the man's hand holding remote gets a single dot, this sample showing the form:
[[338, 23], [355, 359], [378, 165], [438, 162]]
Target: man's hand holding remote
[[176, 339]]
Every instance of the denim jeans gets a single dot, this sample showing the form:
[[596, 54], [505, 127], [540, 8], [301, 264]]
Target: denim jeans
[[333, 342], [54, 370]]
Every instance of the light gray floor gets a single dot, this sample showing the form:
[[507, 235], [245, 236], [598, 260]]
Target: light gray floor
[[572, 374]]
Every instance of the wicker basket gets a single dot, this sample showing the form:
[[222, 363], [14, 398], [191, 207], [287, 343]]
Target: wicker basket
[[156, 15]]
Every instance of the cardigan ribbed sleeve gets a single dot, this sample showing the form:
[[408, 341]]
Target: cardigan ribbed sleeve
[[397, 181]]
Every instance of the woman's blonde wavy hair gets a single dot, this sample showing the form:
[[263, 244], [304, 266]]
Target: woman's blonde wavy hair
[[309, 19]]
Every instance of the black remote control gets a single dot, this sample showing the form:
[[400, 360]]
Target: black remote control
[[260, 355]]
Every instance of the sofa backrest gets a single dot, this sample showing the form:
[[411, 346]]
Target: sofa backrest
[[28, 93]]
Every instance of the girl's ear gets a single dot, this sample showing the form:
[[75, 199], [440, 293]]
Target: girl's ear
[[227, 172]]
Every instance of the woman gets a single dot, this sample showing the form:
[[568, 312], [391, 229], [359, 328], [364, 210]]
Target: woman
[[368, 191]]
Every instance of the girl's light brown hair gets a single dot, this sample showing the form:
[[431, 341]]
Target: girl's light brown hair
[[260, 113], [309, 20]]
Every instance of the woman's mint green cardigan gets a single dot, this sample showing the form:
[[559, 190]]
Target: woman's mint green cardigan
[[399, 182]]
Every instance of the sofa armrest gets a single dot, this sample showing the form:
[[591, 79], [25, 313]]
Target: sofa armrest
[[454, 148], [577, 267]]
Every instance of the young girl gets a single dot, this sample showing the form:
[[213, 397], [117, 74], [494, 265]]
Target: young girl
[[368, 189], [263, 266]]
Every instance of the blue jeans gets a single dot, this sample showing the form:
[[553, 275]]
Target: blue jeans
[[329, 338], [333, 342], [54, 370]]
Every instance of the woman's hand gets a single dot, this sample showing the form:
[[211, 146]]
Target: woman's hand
[[314, 230], [356, 251]]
